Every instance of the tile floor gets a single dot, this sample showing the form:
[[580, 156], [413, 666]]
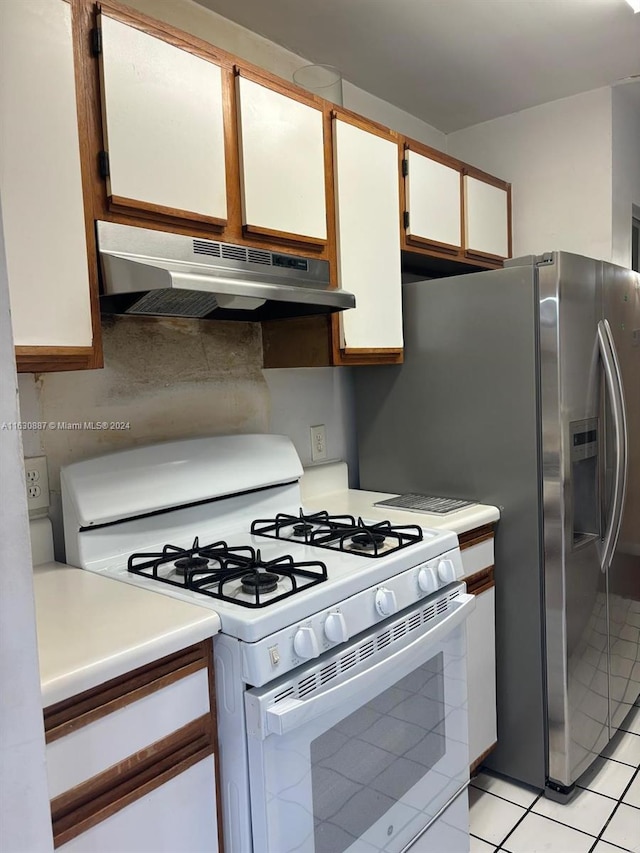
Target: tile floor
[[602, 817]]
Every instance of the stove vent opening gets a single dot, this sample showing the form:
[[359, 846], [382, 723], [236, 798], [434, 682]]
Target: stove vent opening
[[233, 253], [206, 247], [373, 646], [257, 256]]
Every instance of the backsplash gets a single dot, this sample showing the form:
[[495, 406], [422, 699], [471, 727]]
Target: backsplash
[[173, 378]]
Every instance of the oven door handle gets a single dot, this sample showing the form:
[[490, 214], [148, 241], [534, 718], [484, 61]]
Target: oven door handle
[[289, 714]]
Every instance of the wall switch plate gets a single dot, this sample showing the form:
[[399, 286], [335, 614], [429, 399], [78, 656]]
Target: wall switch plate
[[35, 470], [318, 443]]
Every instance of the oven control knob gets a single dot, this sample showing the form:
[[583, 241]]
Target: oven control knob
[[428, 579], [386, 603], [335, 628], [446, 571], [305, 643]]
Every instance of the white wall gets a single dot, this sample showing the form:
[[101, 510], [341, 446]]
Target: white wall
[[309, 396], [558, 158], [626, 167], [25, 819]]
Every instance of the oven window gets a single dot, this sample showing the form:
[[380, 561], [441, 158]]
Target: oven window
[[372, 758]]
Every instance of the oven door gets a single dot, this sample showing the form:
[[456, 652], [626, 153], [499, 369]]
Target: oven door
[[359, 751]]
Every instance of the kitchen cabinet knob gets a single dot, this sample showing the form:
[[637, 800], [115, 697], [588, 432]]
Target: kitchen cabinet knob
[[305, 643], [335, 628], [428, 579], [386, 603]]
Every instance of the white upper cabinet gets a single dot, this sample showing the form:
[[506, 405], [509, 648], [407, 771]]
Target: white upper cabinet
[[40, 178], [282, 165], [368, 229], [433, 198], [163, 125], [486, 209]]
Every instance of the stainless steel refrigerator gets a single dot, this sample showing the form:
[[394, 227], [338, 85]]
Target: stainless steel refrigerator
[[521, 388]]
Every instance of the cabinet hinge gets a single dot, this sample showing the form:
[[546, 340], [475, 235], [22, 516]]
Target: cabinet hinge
[[103, 164], [405, 218], [96, 41], [405, 168]]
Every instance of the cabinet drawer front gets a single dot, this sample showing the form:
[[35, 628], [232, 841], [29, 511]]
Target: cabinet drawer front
[[163, 126], [282, 162], [481, 669], [178, 816], [367, 204], [433, 200], [477, 557], [91, 749], [42, 203], [486, 218]]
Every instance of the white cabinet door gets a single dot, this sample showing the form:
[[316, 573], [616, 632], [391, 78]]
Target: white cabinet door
[[163, 124], [178, 816], [433, 192], [40, 178], [367, 209], [281, 162], [486, 218], [481, 668]]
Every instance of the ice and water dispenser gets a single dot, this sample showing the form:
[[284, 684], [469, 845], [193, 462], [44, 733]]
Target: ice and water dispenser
[[583, 436]]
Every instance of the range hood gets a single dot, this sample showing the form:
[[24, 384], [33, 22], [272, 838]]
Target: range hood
[[158, 274]]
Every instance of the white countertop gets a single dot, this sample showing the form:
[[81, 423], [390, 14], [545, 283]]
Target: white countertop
[[92, 629], [326, 487]]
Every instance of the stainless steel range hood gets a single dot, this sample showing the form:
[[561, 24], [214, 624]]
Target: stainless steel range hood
[[155, 273]]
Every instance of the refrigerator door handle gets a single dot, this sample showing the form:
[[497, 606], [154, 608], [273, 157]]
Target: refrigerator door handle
[[613, 382]]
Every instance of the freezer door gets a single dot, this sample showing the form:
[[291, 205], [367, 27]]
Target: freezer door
[[621, 307], [575, 593]]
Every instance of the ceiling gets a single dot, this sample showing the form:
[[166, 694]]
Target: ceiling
[[455, 63]]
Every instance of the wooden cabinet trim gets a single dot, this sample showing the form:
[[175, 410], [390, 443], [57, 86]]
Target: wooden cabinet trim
[[278, 84], [284, 237], [424, 242], [342, 114], [91, 802], [432, 153], [85, 708], [481, 758], [373, 351], [481, 581], [478, 174], [46, 359], [166, 32], [124, 205], [478, 534]]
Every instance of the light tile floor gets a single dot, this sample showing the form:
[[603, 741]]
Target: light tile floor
[[602, 817]]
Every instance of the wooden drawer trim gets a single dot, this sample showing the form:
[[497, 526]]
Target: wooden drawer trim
[[480, 581], [480, 760], [85, 708], [98, 798], [475, 536]]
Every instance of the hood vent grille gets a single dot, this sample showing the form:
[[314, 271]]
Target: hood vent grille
[[206, 247]]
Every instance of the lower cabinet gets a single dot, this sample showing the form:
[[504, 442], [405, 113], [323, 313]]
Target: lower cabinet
[[132, 763], [477, 559]]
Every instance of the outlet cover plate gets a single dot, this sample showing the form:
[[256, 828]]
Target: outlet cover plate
[[35, 472]]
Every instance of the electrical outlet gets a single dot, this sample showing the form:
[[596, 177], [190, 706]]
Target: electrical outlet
[[318, 443], [35, 471]]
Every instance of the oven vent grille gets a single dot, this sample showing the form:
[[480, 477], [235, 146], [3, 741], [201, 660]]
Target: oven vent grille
[[372, 646]]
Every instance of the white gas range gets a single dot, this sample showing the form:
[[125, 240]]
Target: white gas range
[[341, 663]]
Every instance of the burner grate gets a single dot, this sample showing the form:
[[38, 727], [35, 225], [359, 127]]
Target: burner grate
[[213, 570], [339, 532]]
